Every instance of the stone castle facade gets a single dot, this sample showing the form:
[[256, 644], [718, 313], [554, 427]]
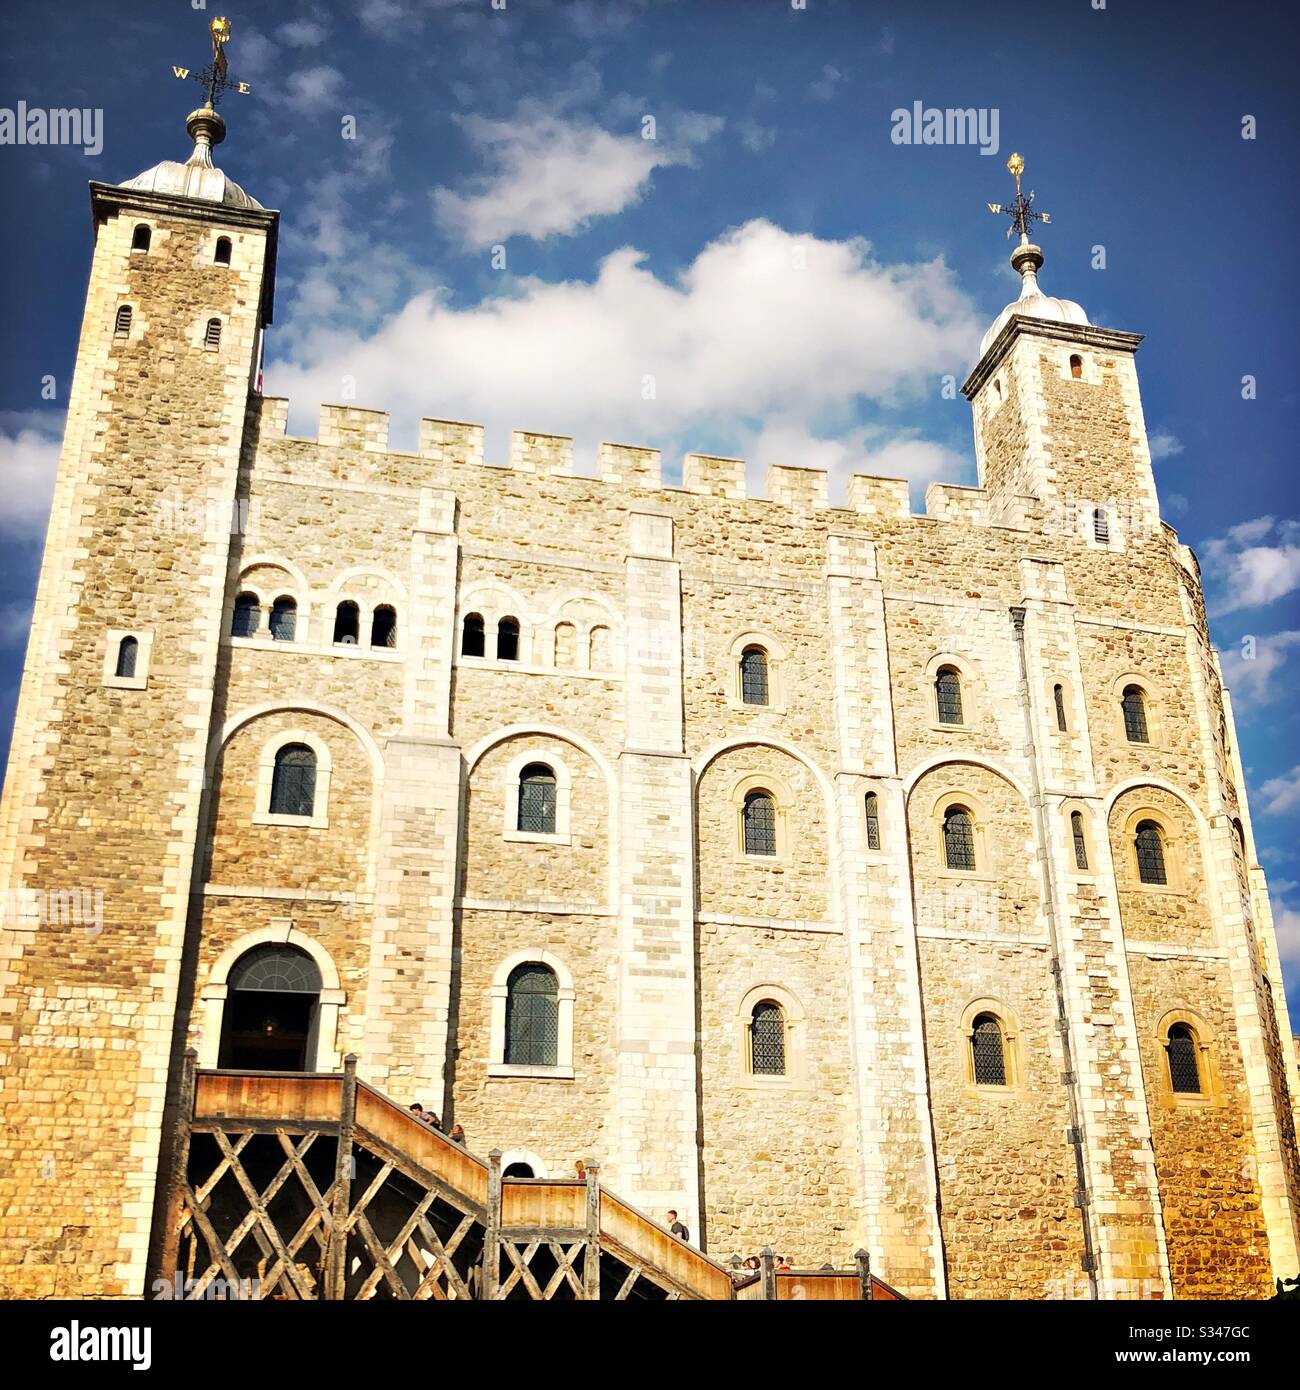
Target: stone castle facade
[[836, 875]]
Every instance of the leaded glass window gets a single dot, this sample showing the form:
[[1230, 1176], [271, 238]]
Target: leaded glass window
[[1150, 853], [277, 969], [537, 800], [532, 1016], [383, 626], [1135, 715], [293, 783], [1184, 1072], [1100, 526], [873, 821], [127, 651], [767, 1040], [471, 635], [753, 676], [284, 619], [959, 839], [988, 1056], [1058, 695], [947, 690], [248, 614], [760, 823], [1080, 843]]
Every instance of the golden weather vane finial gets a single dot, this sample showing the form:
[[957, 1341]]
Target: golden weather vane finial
[[1022, 213], [216, 76]]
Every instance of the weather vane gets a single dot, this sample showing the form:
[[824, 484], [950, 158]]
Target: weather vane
[[216, 76], [1021, 212]]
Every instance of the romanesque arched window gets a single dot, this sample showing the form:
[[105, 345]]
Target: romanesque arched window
[[1058, 698], [222, 254], [537, 800], [947, 695], [1076, 366], [759, 818], [284, 619], [471, 635], [347, 624], [753, 676], [127, 652], [1135, 714], [1079, 839], [122, 321], [532, 1016], [598, 652], [508, 639], [873, 821], [248, 615], [1184, 1068], [566, 644], [140, 238], [958, 838], [767, 1039], [293, 783], [1150, 846], [1100, 526], [212, 335], [988, 1052], [383, 626]]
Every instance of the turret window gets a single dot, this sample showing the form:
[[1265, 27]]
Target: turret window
[[873, 821], [472, 635], [1150, 847], [767, 1039], [140, 237], [1076, 366], [1100, 526], [212, 335], [753, 676], [1135, 715], [1184, 1069], [122, 322], [988, 1054], [1058, 697], [758, 816], [222, 254], [1080, 842], [947, 694], [959, 839], [127, 652]]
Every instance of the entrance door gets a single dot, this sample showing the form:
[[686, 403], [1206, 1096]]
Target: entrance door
[[270, 1015]]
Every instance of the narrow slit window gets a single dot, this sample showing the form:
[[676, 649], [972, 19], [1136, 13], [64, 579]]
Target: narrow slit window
[[1135, 715], [959, 839], [222, 254], [1076, 366], [767, 1040], [122, 322], [1080, 843], [988, 1053], [1150, 847], [383, 626], [1100, 526], [947, 694], [759, 817], [873, 821], [508, 639], [753, 676], [284, 620], [537, 800], [471, 635], [347, 624], [128, 650], [1184, 1070], [212, 335], [1058, 697]]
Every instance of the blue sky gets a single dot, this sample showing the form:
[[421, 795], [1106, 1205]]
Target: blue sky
[[628, 258]]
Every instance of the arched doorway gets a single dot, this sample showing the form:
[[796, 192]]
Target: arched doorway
[[272, 1009], [519, 1170]]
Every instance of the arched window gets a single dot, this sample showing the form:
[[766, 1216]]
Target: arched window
[[1150, 847], [508, 639], [1135, 715], [987, 1053], [958, 838], [873, 821], [1100, 526], [759, 817], [347, 624], [1058, 696], [536, 800], [212, 335], [1184, 1069], [566, 644], [471, 635], [293, 783], [1076, 366], [532, 1016], [598, 649], [383, 626], [1080, 842], [248, 616], [273, 994], [767, 1039], [518, 1169], [127, 651], [947, 694], [140, 237], [122, 322], [997, 386], [753, 676], [222, 254], [284, 619]]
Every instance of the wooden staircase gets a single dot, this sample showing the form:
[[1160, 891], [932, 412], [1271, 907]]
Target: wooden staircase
[[290, 1185]]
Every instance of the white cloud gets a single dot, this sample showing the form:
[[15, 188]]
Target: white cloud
[[824, 88], [552, 175], [1248, 670], [302, 33], [1247, 574], [867, 449], [314, 89], [29, 460], [755, 137], [1286, 924], [1281, 795], [763, 326], [1163, 445]]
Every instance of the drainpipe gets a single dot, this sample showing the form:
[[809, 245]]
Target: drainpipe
[[1070, 1077]]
